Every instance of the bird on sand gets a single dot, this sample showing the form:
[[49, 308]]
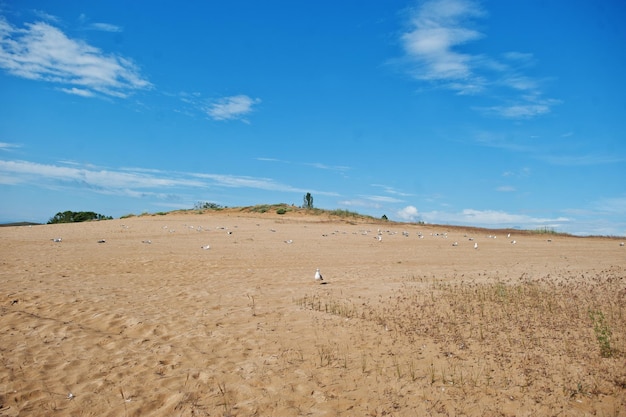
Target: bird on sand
[[318, 276]]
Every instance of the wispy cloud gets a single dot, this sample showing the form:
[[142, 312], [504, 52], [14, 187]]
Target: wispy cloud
[[105, 27], [493, 218], [78, 91], [525, 107], [320, 165], [4, 146], [45, 16], [231, 108], [434, 49], [582, 160], [42, 52], [438, 27], [506, 189], [129, 181], [391, 190]]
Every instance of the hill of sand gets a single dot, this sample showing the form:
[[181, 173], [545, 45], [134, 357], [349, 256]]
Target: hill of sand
[[136, 317]]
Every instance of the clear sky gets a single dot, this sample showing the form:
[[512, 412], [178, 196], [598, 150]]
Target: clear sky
[[484, 113]]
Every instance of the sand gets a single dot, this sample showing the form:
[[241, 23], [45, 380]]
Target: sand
[[133, 317]]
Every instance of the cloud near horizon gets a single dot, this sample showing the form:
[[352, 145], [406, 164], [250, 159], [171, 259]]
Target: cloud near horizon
[[492, 218], [408, 214], [42, 52]]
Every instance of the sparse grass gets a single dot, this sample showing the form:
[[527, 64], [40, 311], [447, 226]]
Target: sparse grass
[[511, 335], [603, 333], [545, 231]]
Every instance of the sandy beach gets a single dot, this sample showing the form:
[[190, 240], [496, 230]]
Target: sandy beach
[[218, 314]]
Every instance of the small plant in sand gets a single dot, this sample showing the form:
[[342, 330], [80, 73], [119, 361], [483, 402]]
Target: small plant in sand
[[603, 333]]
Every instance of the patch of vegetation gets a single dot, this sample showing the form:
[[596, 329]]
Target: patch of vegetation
[[264, 208], [126, 216], [603, 333], [76, 217], [545, 231], [344, 213], [281, 210], [204, 205]]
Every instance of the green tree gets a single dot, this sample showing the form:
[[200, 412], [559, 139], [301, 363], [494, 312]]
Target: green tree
[[76, 217], [308, 201]]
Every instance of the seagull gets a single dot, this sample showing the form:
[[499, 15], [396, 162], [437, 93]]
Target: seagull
[[475, 245], [379, 238], [455, 244], [206, 247], [621, 244], [57, 239], [318, 276]]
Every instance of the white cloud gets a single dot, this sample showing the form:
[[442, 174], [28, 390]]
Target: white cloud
[[408, 214], [391, 190], [105, 27], [381, 199], [320, 165], [129, 181], [43, 52], [233, 107], [493, 218], [363, 203], [78, 91], [526, 108], [6, 146], [506, 189], [582, 160], [438, 27], [434, 46]]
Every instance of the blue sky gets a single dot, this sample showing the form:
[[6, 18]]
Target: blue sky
[[483, 113]]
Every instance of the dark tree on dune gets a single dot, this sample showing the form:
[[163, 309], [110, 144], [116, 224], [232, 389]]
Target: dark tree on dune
[[308, 201]]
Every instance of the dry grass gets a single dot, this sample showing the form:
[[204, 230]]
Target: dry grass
[[540, 342]]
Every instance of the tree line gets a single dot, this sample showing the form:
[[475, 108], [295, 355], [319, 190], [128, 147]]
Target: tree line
[[76, 216]]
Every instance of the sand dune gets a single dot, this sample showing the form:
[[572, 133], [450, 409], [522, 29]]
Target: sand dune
[[148, 323]]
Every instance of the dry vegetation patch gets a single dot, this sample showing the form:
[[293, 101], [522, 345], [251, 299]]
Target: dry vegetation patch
[[539, 343]]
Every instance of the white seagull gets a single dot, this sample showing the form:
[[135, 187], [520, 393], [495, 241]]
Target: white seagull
[[475, 245], [318, 276]]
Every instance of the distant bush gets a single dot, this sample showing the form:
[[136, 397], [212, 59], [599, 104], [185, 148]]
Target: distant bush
[[203, 205], [281, 210], [343, 213], [77, 217]]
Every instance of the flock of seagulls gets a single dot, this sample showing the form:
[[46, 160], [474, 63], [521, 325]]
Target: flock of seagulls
[[318, 275]]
